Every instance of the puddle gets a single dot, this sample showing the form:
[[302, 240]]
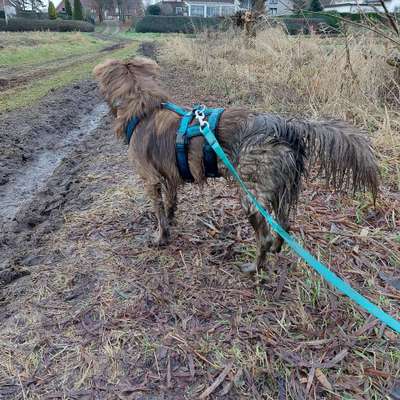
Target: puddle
[[31, 179]]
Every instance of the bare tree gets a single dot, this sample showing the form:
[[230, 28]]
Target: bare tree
[[27, 5], [132, 8], [103, 5]]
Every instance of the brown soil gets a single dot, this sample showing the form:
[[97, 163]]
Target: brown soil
[[97, 313]]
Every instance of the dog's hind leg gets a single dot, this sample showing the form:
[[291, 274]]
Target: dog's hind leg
[[264, 242], [170, 195], [282, 216], [155, 194]]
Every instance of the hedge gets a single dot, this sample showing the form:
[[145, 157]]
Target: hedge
[[320, 17], [32, 14], [295, 25], [334, 18], [58, 25], [176, 24]]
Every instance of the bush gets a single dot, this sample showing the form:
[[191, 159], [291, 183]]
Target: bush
[[331, 17], [63, 15], [172, 24], [52, 11], [68, 8], [311, 19], [58, 25], [315, 5], [359, 17], [154, 9], [77, 13]]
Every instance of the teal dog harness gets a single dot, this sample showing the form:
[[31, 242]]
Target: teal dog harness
[[189, 128]]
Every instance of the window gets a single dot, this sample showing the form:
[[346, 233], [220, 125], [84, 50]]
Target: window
[[179, 10], [212, 11], [197, 11], [273, 1], [227, 10], [273, 11]]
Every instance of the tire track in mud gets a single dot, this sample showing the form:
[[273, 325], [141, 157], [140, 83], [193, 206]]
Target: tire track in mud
[[43, 151], [31, 179], [11, 78]]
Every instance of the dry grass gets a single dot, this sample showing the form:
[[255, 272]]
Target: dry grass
[[346, 78]]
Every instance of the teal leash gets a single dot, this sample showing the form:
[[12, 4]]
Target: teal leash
[[326, 273]]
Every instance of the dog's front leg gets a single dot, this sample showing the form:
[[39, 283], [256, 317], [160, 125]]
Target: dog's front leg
[[154, 192]]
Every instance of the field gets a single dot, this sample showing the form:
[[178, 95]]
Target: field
[[89, 309], [31, 67]]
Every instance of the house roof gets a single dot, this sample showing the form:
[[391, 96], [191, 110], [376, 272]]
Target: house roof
[[354, 4], [89, 4], [173, 3], [210, 1]]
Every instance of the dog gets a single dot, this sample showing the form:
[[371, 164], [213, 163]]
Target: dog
[[271, 153]]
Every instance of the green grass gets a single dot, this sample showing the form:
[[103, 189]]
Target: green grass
[[31, 53], [20, 97], [42, 47], [141, 36]]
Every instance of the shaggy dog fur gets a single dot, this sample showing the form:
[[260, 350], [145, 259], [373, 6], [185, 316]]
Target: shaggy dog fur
[[271, 153]]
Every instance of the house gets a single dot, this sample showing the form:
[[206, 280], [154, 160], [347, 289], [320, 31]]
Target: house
[[357, 6], [87, 4], [211, 8], [173, 8], [279, 7], [200, 8]]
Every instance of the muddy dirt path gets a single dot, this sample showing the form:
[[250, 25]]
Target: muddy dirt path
[[40, 155]]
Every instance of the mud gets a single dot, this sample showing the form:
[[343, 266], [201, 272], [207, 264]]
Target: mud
[[43, 149]]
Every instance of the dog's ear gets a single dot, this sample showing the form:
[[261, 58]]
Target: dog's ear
[[143, 66], [106, 66]]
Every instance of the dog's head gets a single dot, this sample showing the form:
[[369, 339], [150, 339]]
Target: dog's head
[[130, 87]]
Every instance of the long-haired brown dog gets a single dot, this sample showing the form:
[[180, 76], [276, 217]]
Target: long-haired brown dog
[[270, 152]]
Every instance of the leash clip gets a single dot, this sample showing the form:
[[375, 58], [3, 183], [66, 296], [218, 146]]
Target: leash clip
[[200, 116]]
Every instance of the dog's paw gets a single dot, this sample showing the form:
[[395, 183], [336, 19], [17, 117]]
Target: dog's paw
[[248, 268], [159, 241]]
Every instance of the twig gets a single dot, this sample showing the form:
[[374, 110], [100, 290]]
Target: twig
[[281, 283], [390, 18], [169, 384], [193, 351], [218, 381], [22, 386], [253, 388], [227, 388]]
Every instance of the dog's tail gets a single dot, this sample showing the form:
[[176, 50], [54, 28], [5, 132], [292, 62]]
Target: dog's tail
[[340, 151], [336, 150]]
